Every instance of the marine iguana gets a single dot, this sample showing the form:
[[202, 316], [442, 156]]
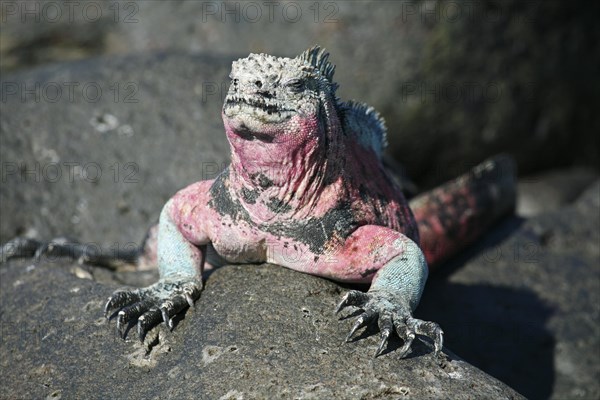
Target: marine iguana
[[306, 189]]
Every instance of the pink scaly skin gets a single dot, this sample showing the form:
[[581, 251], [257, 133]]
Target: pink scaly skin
[[241, 240], [306, 189]]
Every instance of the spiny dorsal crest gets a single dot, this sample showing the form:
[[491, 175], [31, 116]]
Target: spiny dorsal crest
[[365, 124], [319, 59]]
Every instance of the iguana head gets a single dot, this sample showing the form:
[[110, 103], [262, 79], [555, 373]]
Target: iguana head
[[277, 112]]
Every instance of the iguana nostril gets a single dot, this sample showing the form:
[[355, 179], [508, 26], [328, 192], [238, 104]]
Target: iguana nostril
[[258, 84]]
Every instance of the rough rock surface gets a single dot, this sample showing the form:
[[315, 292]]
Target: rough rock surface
[[256, 332]]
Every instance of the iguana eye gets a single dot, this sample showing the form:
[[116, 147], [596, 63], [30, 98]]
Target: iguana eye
[[296, 85]]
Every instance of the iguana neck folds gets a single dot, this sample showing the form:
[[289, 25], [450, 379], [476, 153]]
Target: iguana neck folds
[[286, 138]]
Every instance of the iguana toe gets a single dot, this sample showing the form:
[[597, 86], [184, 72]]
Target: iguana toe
[[128, 314], [352, 298]]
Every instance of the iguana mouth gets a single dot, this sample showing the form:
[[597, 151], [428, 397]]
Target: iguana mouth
[[263, 105], [247, 134]]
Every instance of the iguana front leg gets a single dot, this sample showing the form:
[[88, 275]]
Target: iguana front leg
[[181, 259], [395, 291]]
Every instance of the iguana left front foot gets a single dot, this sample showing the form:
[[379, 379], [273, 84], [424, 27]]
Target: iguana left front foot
[[390, 311]]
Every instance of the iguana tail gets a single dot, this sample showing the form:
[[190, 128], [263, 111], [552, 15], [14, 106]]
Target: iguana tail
[[453, 215]]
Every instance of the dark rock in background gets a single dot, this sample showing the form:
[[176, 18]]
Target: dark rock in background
[[552, 190], [519, 76], [456, 81]]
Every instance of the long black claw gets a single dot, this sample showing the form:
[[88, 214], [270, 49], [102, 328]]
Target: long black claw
[[385, 326], [439, 343], [172, 307], [189, 300], [120, 299], [406, 347], [191, 291], [352, 298], [361, 321], [128, 314], [43, 249], [406, 334], [147, 321], [121, 320], [430, 330], [357, 325], [165, 317], [384, 341]]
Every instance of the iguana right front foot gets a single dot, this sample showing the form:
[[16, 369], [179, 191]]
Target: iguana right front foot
[[151, 305]]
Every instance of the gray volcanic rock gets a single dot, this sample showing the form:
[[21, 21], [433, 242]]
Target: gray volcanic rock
[[94, 148], [256, 332]]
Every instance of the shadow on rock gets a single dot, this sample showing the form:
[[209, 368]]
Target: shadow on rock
[[501, 330]]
